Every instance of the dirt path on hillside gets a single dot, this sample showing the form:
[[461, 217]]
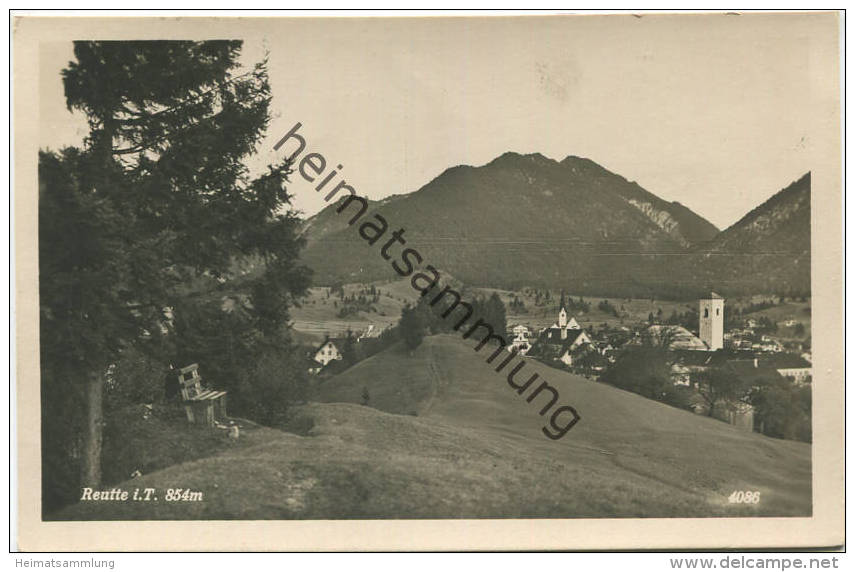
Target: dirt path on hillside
[[439, 382]]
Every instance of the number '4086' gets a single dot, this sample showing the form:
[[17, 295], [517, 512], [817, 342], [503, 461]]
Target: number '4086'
[[744, 497]]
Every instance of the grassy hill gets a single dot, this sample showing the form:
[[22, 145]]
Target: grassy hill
[[319, 314], [475, 449], [659, 448]]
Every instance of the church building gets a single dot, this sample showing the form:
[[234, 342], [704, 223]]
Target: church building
[[567, 336], [562, 329]]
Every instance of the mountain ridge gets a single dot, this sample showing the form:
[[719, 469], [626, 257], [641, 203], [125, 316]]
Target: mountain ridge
[[771, 243], [528, 220]]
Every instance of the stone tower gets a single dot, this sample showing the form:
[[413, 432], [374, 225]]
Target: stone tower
[[711, 320], [562, 318]]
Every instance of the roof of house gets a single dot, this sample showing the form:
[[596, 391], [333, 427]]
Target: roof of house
[[785, 361], [337, 342], [572, 336], [571, 325], [700, 359], [746, 369]]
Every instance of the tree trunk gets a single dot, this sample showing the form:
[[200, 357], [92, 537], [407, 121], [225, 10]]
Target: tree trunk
[[94, 389], [92, 437]]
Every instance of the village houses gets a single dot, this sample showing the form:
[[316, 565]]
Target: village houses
[[328, 352], [566, 338], [520, 340]]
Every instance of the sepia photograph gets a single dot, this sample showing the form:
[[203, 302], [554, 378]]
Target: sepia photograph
[[515, 270]]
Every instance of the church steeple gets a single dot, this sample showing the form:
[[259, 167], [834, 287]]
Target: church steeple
[[562, 313], [711, 320]]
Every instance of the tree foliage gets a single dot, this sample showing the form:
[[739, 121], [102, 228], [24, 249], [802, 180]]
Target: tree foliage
[[142, 232], [412, 327], [492, 310], [717, 387], [782, 409], [644, 369]]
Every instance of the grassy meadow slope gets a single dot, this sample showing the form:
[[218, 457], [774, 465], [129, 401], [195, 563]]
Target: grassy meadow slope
[[319, 315], [657, 448], [475, 449]]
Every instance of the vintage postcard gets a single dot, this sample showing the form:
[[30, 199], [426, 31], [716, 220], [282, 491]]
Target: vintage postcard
[[444, 281]]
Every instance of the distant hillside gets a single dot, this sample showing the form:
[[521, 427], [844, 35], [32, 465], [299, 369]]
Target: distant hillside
[[768, 250], [519, 220], [679, 222], [526, 220]]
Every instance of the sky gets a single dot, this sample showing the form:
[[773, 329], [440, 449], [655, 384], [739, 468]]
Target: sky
[[710, 111]]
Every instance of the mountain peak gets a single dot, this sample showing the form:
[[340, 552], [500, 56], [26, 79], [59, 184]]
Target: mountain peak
[[576, 160], [514, 158], [575, 163]]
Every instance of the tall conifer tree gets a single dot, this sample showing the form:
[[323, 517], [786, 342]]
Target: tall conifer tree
[[158, 203]]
